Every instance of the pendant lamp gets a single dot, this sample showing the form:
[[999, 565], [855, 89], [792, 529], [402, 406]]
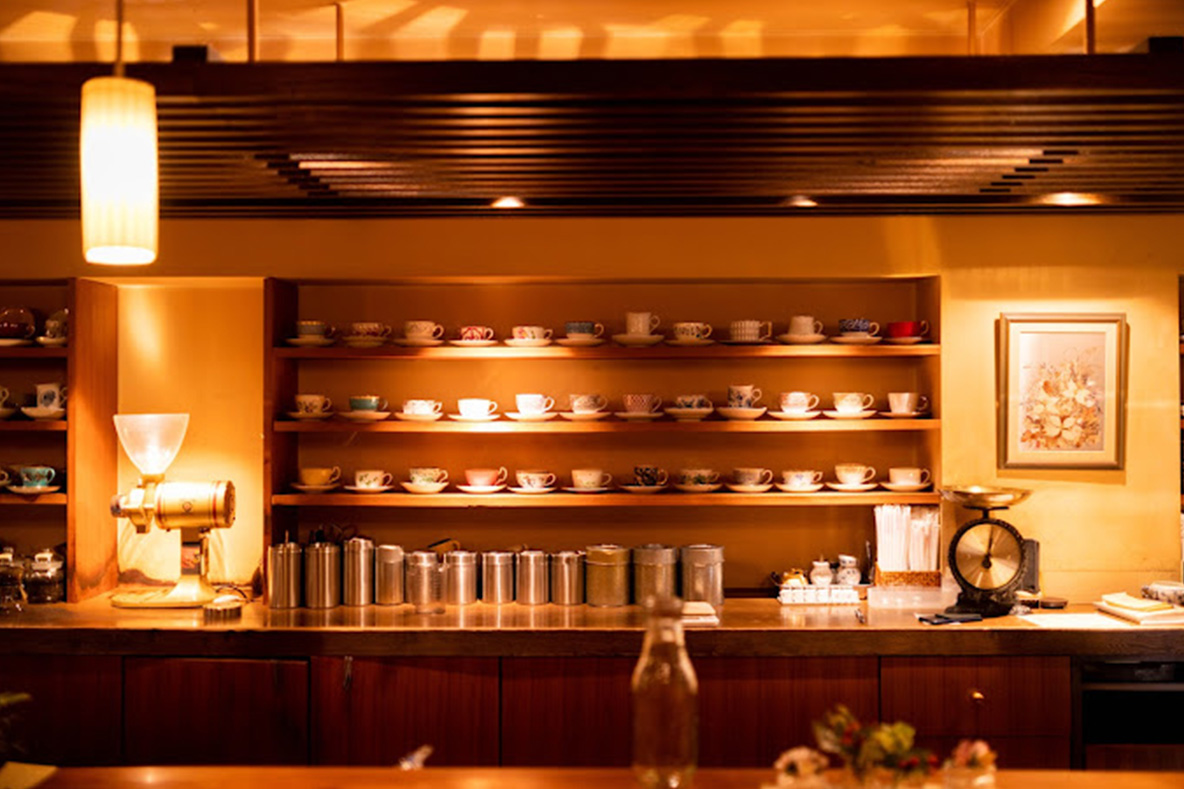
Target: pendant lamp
[[119, 166]]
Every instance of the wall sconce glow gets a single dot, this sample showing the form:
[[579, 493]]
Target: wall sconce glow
[[508, 202], [119, 171], [1071, 199], [801, 201]]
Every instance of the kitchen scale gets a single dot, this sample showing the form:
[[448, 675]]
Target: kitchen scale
[[987, 555]]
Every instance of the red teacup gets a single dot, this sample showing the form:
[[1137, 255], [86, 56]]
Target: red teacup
[[907, 329]]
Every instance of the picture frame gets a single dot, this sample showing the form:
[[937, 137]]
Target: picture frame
[[1062, 390]]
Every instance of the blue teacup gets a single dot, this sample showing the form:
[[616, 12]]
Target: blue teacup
[[36, 476], [366, 403], [858, 326]]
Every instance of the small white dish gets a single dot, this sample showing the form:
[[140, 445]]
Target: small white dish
[[794, 416], [904, 340], [303, 416], [858, 487], [638, 416], [735, 488], [904, 487], [463, 418], [904, 414], [361, 341], [744, 414], [43, 414], [518, 416], [531, 491], [11, 342], [418, 342], [690, 342], [534, 342], [369, 489], [423, 487], [6, 412], [314, 488], [53, 342], [472, 343], [863, 339], [403, 416], [584, 416], [812, 488], [800, 339], [587, 490], [637, 340], [689, 414], [580, 342], [311, 341], [480, 489], [643, 488], [850, 414], [709, 487], [364, 416], [34, 490]]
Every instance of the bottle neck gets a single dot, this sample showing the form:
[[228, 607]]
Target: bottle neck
[[664, 631]]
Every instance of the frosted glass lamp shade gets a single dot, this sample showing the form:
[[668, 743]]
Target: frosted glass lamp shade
[[152, 441], [119, 171]]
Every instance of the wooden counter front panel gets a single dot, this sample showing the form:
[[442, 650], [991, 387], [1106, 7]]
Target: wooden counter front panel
[[203, 711], [375, 710]]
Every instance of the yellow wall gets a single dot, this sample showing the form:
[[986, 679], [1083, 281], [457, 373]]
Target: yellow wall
[[1100, 530]]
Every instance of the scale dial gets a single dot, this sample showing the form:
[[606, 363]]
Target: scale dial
[[987, 557]]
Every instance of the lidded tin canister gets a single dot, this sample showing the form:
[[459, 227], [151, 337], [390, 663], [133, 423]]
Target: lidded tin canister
[[283, 575], [460, 577], [532, 581], [388, 574], [703, 574], [322, 575], [567, 577], [424, 586], [606, 575], [358, 585], [655, 570], [497, 577]]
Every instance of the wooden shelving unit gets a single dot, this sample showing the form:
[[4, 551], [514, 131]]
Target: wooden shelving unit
[[609, 351], [669, 498], [46, 499], [33, 351], [657, 427], [19, 425]]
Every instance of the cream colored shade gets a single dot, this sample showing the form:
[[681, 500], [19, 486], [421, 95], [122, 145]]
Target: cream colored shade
[[119, 171]]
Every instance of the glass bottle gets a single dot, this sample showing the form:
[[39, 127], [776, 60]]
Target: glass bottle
[[665, 702]]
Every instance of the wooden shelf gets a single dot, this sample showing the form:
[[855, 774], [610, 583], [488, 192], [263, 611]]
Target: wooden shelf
[[608, 351], [52, 499], [33, 352], [664, 426], [21, 426], [668, 498]]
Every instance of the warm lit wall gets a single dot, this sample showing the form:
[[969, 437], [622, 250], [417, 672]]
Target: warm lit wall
[[1100, 530]]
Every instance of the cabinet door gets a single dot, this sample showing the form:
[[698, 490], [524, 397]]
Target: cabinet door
[[375, 710], [74, 714], [566, 711], [207, 711], [752, 709]]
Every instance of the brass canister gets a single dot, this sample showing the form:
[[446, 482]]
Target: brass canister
[[606, 575]]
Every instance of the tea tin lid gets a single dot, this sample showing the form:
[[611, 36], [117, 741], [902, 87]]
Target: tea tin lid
[[703, 554], [423, 558], [460, 558], [655, 554], [607, 554], [356, 544], [389, 553], [497, 557]]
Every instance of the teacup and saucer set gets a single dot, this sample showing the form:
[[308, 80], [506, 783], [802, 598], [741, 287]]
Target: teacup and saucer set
[[742, 403], [57, 330], [17, 327], [426, 480], [420, 334], [907, 479], [906, 332], [474, 336], [33, 480], [691, 334], [749, 332], [312, 408], [691, 408], [582, 334], [586, 407], [533, 408], [800, 481], [751, 480], [51, 403], [371, 481], [639, 330], [532, 482], [906, 405], [852, 405], [365, 408], [857, 331], [853, 478], [640, 408], [698, 480], [313, 334], [420, 410], [589, 480], [367, 334], [475, 409], [803, 330], [797, 406], [484, 481], [529, 336], [315, 479], [646, 479]]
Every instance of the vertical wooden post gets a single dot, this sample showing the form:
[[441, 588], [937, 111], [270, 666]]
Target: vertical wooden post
[[340, 8], [972, 27], [252, 31], [1091, 30]]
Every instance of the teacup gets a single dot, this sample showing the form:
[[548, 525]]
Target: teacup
[[310, 475], [427, 475], [369, 329], [587, 403], [854, 473], [908, 475], [534, 479], [804, 325], [422, 407], [55, 329], [313, 404], [422, 330], [531, 333], [692, 330], [649, 476], [308, 329], [476, 407], [3, 396], [907, 402], [51, 395], [476, 333], [752, 476], [798, 402], [907, 329], [373, 478], [859, 327], [750, 330], [801, 478], [583, 329], [534, 403], [641, 403], [486, 477], [693, 401], [743, 396], [367, 403], [698, 476], [587, 478], [638, 323], [36, 476], [853, 402], [4, 478]]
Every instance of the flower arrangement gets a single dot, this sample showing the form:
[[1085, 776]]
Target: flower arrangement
[[881, 752], [972, 753]]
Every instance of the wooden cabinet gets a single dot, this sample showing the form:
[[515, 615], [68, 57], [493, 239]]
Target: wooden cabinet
[[375, 710], [214, 711]]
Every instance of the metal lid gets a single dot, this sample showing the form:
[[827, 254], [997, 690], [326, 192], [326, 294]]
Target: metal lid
[[423, 559], [323, 548], [46, 559], [654, 553], [532, 554], [226, 608], [497, 557], [607, 554], [357, 544], [455, 558], [567, 557], [703, 554], [389, 554], [285, 548]]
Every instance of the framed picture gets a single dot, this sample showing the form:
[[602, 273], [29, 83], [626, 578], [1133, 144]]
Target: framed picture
[[1062, 390]]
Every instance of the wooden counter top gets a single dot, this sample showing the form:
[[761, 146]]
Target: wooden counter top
[[749, 627]]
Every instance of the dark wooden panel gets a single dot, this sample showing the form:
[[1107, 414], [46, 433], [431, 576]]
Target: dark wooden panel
[[74, 715], [202, 711], [375, 710], [1024, 696], [930, 693], [752, 709], [1134, 757], [566, 711]]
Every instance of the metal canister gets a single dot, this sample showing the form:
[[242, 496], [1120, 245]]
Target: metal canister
[[497, 577], [283, 575], [567, 577], [460, 577], [703, 573], [532, 579], [358, 586], [654, 571], [388, 574], [606, 575], [322, 575], [423, 582]]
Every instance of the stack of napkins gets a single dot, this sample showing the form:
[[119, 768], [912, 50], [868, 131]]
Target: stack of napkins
[[699, 614], [1140, 610]]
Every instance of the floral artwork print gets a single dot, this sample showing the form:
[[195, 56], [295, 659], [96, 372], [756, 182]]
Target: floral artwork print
[[1062, 388]]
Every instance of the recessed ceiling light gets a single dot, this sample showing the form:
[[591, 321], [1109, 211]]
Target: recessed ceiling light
[[1071, 198], [507, 202], [801, 201]]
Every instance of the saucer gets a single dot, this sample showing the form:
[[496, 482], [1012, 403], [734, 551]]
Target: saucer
[[543, 417], [587, 490], [643, 488], [765, 341], [307, 417], [423, 487], [403, 416], [850, 414], [904, 487], [800, 339], [858, 487], [866, 339], [472, 343], [584, 416], [463, 418], [903, 340], [728, 412], [375, 489], [417, 342], [534, 342], [904, 414], [39, 413], [6, 412], [480, 489], [363, 341], [9, 342], [707, 487], [531, 491], [364, 416], [580, 342], [690, 342], [637, 340], [689, 414], [53, 342], [812, 488], [311, 342], [735, 488], [794, 415], [314, 488], [638, 416], [34, 490]]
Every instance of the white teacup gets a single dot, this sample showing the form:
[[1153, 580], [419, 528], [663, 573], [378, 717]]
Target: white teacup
[[427, 475], [476, 407], [854, 473], [698, 476], [52, 395], [534, 479], [313, 404], [530, 333], [319, 476], [853, 402], [369, 329], [641, 403], [801, 478], [750, 330], [693, 401], [588, 478], [908, 475], [587, 403], [422, 330], [534, 403], [486, 477], [752, 476], [637, 323], [907, 402], [422, 407], [804, 325], [743, 396], [373, 478], [798, 402], [692, 330], [313, 329]]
